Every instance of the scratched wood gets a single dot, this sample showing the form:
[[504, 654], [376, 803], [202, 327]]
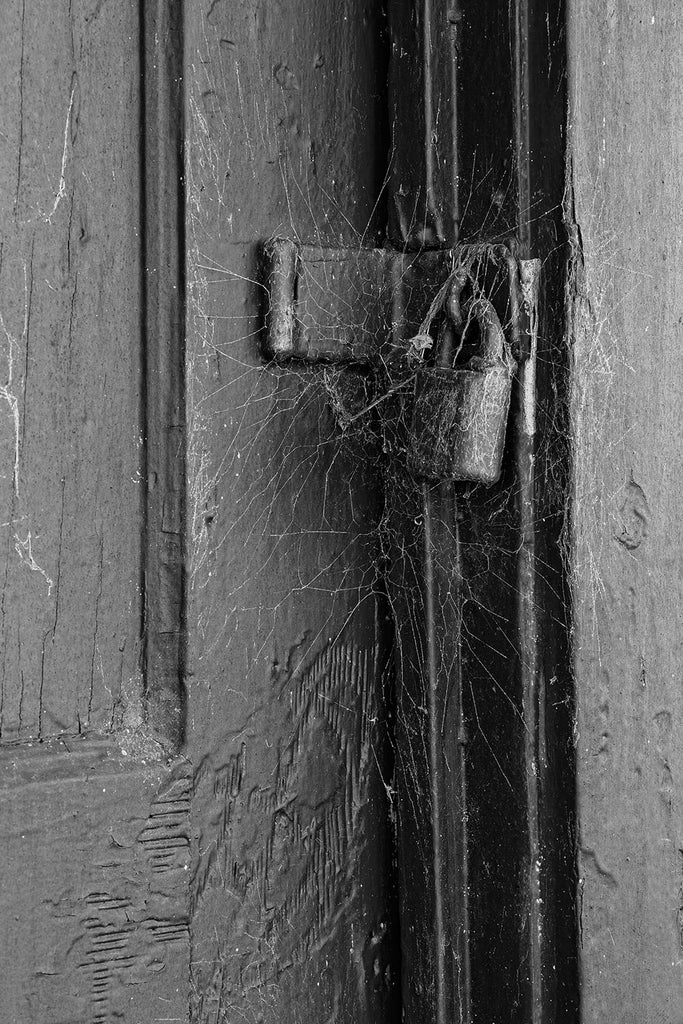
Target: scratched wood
[[70, 488], [287, 693], [625, 223], [93, 901]]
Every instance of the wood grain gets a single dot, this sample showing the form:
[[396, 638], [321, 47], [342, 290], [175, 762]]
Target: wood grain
[[70, 430], [624, 217]]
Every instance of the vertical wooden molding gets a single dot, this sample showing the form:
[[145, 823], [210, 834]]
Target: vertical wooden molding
[[443, 600], [490, 168], [163, 360], [424, 206], [528, 637], [543, 457]]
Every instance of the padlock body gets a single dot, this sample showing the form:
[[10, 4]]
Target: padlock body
[[458, 423]]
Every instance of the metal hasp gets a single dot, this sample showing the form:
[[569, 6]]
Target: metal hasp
[[372, 306], [330, 305]]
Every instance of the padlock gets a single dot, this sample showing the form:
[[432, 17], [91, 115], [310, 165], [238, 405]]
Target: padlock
[[460, 413]]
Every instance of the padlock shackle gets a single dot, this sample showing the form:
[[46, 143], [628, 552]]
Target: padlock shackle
[[494, 349]]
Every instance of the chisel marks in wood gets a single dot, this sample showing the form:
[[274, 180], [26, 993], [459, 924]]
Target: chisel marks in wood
[[222, 788], [95, 920], [165, 838], [278, 859], [136, 924]]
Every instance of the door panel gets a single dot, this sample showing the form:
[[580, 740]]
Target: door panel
[[70, 483]]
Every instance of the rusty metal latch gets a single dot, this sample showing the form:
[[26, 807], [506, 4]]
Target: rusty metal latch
[[373, 307], [346, 305]]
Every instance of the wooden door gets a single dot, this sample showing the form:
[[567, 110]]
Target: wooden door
[[284, 734]]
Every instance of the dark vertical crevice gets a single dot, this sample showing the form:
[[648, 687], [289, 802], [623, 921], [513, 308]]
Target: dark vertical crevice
[[520, 59], [382, 125], [528, 634], [163, 399], [142, 408], [528, 627], [447, 770], [543, 456]]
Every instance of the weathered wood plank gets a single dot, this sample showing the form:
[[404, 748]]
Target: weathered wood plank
[[93, 901], [70, 489], [291, 870], [624, 216]]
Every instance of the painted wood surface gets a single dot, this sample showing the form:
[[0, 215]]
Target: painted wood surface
[[70, 431], [287, 657], [625, 222]]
